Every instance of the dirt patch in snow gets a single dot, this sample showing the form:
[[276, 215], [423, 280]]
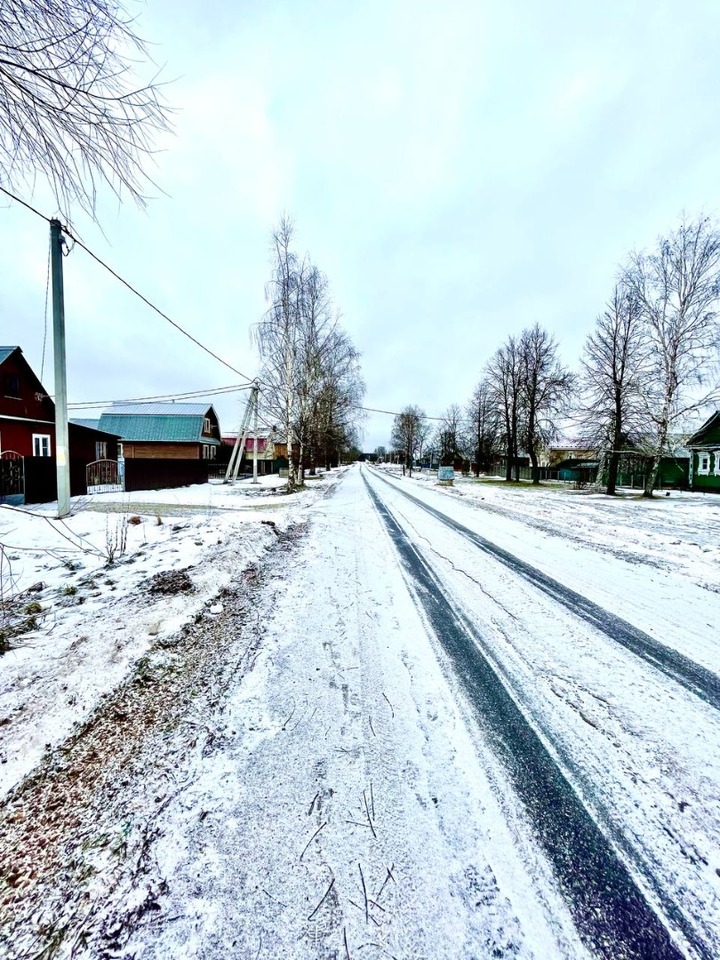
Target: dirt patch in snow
[[171, 581], [82, 823]]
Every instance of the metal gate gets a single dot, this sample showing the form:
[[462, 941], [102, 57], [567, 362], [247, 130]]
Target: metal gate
[[103, 477], [12, 478]]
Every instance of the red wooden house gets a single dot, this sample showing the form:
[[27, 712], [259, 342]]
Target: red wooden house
[[27, 437]]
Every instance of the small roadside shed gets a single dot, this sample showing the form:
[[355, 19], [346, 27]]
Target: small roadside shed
[[704, 449]]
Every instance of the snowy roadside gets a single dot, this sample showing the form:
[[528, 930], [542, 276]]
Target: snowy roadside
[[679, 533], [309, 790], [92, 604]]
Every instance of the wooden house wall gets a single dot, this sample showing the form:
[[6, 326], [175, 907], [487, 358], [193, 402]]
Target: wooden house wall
[[161, 450], [17, 435]]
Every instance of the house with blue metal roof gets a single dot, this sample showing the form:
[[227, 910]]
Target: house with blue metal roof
[[179, 431]]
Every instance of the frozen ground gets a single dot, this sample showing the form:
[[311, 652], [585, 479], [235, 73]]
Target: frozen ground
[[679, 532], [96, 619], [367, 735]]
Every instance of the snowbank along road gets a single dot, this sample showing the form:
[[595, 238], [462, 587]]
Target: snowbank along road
[[434, 735]]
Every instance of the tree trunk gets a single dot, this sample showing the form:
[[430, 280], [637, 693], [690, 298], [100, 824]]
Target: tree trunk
[[652, 477], [535, 467], [613, 470]]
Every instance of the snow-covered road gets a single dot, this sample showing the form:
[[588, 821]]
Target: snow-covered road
[[434, 750], [636, 744]]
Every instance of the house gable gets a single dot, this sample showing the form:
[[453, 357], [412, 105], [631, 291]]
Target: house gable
[[21, 393], [164, 423], [709, 433], [705, 451]]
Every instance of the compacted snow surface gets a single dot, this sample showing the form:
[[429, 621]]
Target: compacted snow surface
[[305, 754]]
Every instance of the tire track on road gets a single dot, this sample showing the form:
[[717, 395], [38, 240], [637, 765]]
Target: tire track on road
[[692, 676], [611, 912]]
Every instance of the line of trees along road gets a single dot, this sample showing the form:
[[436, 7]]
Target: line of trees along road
[[649, 368], [311, 383]]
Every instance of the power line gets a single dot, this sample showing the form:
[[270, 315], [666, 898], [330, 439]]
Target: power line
[[24, 204], [399, 413], [211, 392], [152, 306], [68, 233]]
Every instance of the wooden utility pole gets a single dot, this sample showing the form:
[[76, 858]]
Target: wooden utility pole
[[62, 453]]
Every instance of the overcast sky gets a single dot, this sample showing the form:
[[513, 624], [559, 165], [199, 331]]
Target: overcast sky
[[459, 170]]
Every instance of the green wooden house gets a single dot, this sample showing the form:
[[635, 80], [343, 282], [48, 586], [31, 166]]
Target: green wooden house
[[705, 456]]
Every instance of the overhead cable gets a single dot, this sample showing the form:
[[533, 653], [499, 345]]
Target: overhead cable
[[68, 233]]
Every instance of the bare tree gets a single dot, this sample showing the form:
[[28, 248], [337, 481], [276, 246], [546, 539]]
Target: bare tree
[[278, 334], [449, 435], [504, 378], [677, 287], [70, 107], [545, 389], [614, 379], [316, 343], [336, 412], [410, 431], [310, 368], [483, 426]]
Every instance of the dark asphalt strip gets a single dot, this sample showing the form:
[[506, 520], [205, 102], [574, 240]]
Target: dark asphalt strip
[[612, 916], [695, 678]]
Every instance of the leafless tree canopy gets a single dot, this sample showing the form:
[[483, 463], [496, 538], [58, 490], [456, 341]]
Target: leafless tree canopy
[[677, 288], [504, 378], [545, 390], [71, 109], [409, 432], [615, 380], [449, 437], [483, 426], [311, 379]]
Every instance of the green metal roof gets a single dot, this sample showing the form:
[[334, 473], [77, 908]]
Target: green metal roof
[[167, 428], [91, 424]]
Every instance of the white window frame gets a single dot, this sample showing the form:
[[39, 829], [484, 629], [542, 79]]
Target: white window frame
[[703, 456], [38, 445], [207, 426], [717, 462], [209, 451], [101, 450]]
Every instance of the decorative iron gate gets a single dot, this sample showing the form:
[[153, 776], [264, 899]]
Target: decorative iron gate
[[12, 478], [103, 477]]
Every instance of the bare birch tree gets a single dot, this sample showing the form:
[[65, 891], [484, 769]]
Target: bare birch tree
[[71, 109], [677, 287], [278, 333], [614, 380], [310, 368]]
